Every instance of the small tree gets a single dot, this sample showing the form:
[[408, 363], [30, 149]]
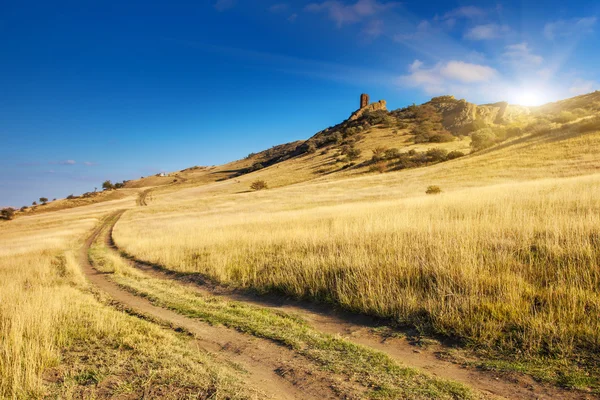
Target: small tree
[[107, 185], [259, 185], [7, 213], [43, 200], [433, 190], [34, 203]]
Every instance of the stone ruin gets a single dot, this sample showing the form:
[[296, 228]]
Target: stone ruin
[[365, 106], [364, 100]]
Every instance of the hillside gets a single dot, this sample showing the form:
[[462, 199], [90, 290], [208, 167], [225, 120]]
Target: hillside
[[372, 139], [485, 290]]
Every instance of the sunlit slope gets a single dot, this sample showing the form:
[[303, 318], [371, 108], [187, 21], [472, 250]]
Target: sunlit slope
[[567, 150]]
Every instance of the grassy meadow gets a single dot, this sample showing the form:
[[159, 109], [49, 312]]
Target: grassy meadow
[[61, 339], [509, 268]]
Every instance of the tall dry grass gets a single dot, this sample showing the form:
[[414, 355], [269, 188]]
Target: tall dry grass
[[512, 267], [51, 321]]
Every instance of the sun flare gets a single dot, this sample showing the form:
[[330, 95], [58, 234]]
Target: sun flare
[[530, 98]]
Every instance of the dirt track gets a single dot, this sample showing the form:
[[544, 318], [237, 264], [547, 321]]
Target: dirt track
[[265, 360], [271, 368]]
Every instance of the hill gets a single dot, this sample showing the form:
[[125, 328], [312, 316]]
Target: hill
[[496, 272], [372, 139]]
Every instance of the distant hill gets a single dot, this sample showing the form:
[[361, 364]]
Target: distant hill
[[374, 139]]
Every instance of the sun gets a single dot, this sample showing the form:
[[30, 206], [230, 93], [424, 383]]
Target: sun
[[530, 98]]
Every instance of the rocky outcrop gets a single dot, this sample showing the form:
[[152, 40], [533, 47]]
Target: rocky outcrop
[[380, 105], [459, 114]]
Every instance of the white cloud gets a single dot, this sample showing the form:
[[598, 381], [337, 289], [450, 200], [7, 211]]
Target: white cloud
[[521, 55], [347, 14], [581, 86], [468, 73], [487, 32], [566, 28], [465, 12], [89, 163], [443, 77], [223, 5], [63, 162]]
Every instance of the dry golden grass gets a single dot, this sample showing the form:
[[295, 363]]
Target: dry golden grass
[[59, 339], [513, 266], [509, 266]]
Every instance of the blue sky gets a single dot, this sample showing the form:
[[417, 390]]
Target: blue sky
[[95, 90]]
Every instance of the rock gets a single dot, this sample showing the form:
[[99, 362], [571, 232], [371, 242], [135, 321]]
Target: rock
[[380, 105], [458, 114]]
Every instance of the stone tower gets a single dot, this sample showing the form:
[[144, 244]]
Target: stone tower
[[364, 100]]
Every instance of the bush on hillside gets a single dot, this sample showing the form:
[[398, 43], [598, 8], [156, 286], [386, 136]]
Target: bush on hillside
[[392, 153], [255, 167], [482, 139], [107, 185], [259, 185], [436, 155], [378, 154], [441, 137], [43, 200], [433, 190], [7, 213], [564, 117], [455, 154], [380, 167]]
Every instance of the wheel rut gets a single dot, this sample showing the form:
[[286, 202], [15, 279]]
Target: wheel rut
[[359, 329], [271, 368]]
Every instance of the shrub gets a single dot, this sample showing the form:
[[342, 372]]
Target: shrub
[[350, 152], [107, 185], [380, 167], [378, 154], [433, 190], [255, 167], [436, 155], [43, 200], [474, 126], [259, 185], [564, 117], [482, 139], [311, 147], [455, 154], [34, 203], [441, 137], [24, 208], [390, 154], [7, 213]]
